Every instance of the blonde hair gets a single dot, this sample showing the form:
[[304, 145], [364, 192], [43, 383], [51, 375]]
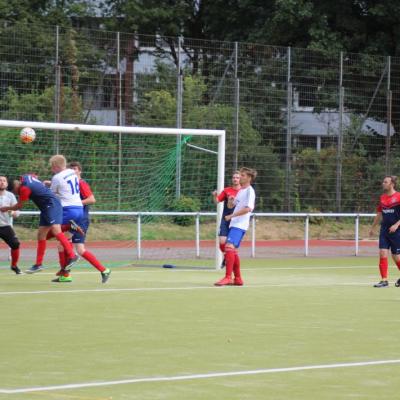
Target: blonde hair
[[58, 161], [249, 172]]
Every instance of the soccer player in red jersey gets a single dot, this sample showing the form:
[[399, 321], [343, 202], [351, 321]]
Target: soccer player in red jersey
[[239, 223], [227, 196], [388, 215]]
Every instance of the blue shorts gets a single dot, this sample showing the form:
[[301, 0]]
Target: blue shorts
[[77, 237], [223, 227], [390, 240], [52, 215], [235, 236], [72, 212]]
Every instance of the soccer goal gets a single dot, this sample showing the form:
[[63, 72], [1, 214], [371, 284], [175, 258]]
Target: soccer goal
[[139, 175]]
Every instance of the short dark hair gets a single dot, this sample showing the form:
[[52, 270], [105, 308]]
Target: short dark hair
[[73, 164], [11, 185]]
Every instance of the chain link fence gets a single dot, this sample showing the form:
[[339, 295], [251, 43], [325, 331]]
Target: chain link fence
[[321, 129]]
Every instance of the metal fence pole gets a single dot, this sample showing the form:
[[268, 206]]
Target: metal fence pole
[[119, 114], [340, 141], [179, 106], [197, 235], [357, 234], [237, 109], [57, 91], [288, 132], [139, 237], [306, 235], [253, 236], [388, 118]]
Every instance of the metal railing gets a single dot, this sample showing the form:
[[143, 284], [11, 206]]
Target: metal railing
[[197, 215]]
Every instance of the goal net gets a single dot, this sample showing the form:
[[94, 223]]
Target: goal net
[[141, 177]]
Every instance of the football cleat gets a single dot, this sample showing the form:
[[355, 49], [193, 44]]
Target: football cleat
[[75, 227], [238, 281], [16, 270], [62, 278], [397, 284], [382, 284], [105, 275], [224, 282], [35, 268]]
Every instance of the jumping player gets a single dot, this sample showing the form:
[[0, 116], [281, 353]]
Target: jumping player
[[7, 232], [388, 214], [65, 185], [227, 196], [239, 223], [31, 188], [79, 238]]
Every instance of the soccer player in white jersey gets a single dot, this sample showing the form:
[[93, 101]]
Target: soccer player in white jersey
[[7, 232], [65, 185], [239, 223]]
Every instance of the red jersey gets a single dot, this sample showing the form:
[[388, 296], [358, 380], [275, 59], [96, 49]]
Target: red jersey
[[224, 195], [85, 191], [389, 206]]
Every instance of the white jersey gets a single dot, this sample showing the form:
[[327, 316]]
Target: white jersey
[[65, 185], [6, 200], [246, 197]]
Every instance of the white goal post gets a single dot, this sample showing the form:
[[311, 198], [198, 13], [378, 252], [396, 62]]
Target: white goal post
[[220, 134]]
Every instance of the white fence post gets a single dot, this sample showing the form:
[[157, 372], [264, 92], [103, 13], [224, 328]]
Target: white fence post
[[253, 236], [197, 235], [357, 234], [139, 237], [306, 234]]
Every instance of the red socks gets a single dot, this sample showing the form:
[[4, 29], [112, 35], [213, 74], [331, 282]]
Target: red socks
[[383, 268], [41, 249], [229, 262], [236, 266], [66, 244], [87, 255], [14, 257], [62, 259]]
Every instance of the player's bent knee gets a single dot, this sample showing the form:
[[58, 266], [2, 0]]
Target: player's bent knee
[[14, 245]]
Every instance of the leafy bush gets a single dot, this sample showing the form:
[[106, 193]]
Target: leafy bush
[[185, 204]]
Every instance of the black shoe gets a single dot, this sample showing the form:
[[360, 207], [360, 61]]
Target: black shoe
[[105, 275], [16, 270], [35, 268], [383, 284], [71, 261], [397, 284]]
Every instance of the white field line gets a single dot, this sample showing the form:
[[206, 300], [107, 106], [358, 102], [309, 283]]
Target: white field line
[[158, 379], [178, 288]]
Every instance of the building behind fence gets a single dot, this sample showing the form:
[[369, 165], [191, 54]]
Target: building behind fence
[[321, 128]]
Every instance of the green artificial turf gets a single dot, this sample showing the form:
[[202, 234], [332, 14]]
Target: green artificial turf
[[155, 322]]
